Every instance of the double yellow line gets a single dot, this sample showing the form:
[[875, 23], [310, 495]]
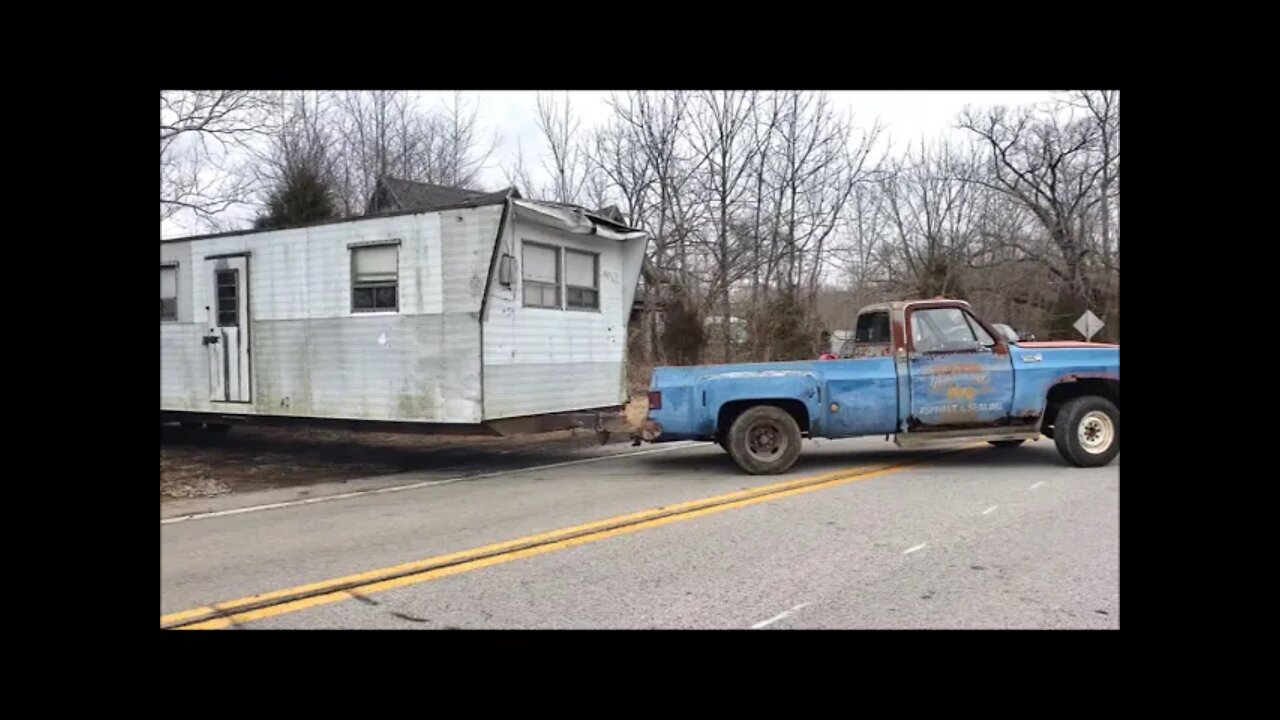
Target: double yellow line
[[280, 602]]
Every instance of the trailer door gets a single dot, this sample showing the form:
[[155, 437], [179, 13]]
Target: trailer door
[[227, 341]]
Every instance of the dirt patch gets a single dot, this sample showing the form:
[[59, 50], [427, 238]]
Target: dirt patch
[[195, 463], [637, 409]]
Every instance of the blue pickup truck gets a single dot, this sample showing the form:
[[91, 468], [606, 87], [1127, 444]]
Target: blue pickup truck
[[927, 372]]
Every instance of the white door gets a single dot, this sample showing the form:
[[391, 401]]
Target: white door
[[227, 341]]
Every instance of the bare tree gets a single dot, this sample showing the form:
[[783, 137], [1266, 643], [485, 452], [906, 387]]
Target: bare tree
[[200, 134], [932, 208], [565, 162], [387, 133], [1045, 162], [721, 138], [654, 125], [813, 169], [463, 153], [296, 171], [378, 132]]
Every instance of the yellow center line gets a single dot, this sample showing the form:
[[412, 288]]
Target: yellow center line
[[278, 603]]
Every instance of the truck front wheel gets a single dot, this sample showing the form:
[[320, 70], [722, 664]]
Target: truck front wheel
[[1087, 431], [764, 440]]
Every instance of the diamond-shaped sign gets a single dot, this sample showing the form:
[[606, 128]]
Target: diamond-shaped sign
[[1088, 325]]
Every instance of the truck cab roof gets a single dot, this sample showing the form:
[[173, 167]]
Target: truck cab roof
[[902, 305]]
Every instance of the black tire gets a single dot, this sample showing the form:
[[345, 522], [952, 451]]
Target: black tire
[[1006, 443], [764, 440], [1095, 418]]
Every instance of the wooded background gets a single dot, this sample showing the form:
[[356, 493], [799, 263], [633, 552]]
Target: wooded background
[[767, 207]]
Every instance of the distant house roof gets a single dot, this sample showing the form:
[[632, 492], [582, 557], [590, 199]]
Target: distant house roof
[[393, 194]]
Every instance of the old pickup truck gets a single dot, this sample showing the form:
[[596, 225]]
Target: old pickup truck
[[926, 372]]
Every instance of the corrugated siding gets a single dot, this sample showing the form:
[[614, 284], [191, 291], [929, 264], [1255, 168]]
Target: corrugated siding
[[311, 355], [539, 360], [376, 367], [184, 369], [467, 237], [534, 388]]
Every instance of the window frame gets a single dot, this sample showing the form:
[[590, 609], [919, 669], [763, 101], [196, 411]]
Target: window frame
[[173, 267], [356, 284], [964, 316], [560, 279], [970, 323], [595, 279], [235, 296]]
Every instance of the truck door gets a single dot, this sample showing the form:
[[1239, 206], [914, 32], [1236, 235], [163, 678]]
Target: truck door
[[960, 376]]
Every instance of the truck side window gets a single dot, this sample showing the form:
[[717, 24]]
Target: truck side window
[[941, 330]]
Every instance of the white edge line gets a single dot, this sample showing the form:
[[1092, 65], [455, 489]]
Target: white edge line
[[1033, 487], [910, 550], [416, 485], [779, 616], [990, 510]]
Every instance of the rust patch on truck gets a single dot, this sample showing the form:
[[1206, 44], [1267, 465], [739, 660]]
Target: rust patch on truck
[[1072, 377]]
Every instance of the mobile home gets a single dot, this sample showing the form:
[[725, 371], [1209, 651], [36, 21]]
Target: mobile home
[[494, 314]]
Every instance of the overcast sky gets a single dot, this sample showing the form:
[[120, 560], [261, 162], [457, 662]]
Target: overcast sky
[[906, 115]]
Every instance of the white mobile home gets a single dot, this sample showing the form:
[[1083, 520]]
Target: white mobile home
[[466, 317]]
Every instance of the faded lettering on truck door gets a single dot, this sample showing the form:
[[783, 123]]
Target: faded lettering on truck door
[[960, 376]]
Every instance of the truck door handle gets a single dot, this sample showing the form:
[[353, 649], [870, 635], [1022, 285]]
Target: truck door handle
[[210, 340]]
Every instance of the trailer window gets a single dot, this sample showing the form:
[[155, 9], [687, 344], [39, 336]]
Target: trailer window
[[168, 293], [375, 275], [228, 288], [540, 275], [582, 280]]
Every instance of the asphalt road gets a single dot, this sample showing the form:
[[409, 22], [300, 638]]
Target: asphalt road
[[983, 538]]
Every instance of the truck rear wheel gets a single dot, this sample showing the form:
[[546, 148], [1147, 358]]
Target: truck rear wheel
[[764, 440], [1087, 431]]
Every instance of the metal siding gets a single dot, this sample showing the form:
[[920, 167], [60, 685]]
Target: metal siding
[[184, 368], [467, 237], [535, 388], [370, 367], [538, 360], [306, 273], [311, 355]]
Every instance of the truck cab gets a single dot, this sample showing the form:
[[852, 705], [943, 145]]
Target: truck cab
[[926, 372]]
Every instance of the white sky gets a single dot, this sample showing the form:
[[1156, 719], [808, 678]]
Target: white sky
[[906, 115]]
